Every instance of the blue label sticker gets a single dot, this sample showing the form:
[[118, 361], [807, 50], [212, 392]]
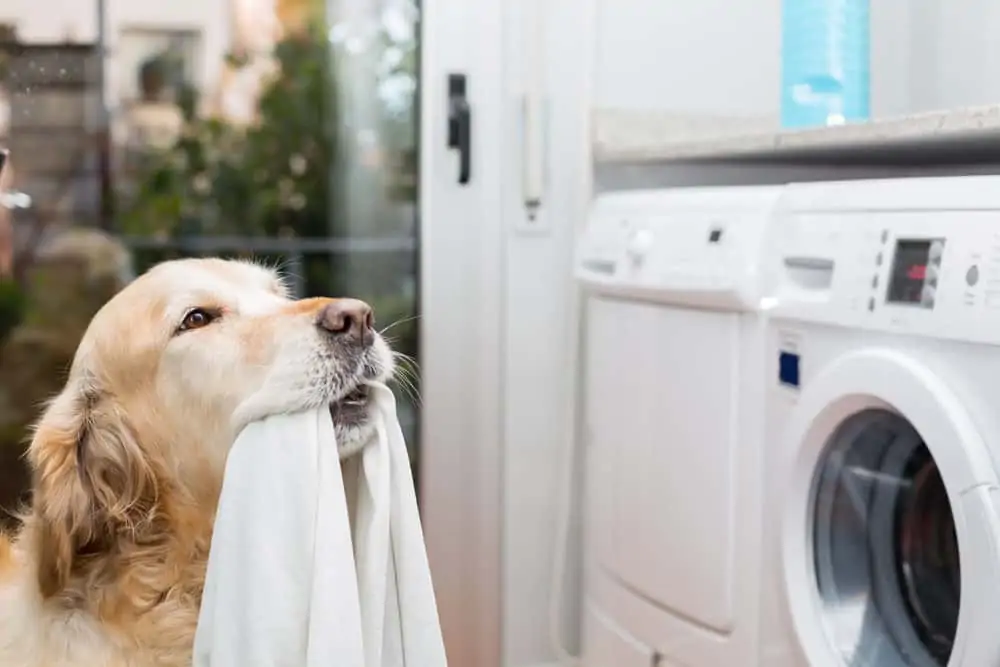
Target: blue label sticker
[[788, 369]]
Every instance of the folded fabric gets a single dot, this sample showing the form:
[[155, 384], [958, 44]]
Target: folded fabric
[[315, 565]]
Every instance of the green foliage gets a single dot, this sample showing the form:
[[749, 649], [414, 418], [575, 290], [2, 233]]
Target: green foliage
[[12, 306], [280, 177], [63, 289], [271, 178]]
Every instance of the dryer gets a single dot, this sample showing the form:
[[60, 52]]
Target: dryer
[[881, 527], [672, 418]]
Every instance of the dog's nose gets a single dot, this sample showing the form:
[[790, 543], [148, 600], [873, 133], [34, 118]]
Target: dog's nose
[[350, 318]]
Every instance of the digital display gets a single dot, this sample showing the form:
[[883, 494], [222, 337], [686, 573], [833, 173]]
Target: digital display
[[909, 271]]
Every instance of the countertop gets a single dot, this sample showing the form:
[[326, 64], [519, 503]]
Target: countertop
[[969, 134]]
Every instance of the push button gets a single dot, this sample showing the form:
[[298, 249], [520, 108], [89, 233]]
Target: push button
[[927, 296], [972, 276]]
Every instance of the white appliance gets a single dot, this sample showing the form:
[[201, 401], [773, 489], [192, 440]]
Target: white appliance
[[883, 373], [672, 420]]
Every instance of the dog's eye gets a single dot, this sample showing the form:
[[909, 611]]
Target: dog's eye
[[196, 319]]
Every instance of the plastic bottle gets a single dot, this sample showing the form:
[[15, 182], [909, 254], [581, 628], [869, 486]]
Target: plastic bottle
[[825, 52]]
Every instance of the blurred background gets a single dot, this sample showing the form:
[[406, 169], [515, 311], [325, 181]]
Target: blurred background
[[140, 132], [439, 159]]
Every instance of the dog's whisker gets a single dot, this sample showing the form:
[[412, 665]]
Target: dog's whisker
[[410, 392], [403, 320], [407, 376]]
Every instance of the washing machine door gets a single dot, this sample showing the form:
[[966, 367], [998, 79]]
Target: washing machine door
[[891, 533]]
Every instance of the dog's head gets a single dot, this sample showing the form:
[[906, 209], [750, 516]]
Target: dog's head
[[166, 375]]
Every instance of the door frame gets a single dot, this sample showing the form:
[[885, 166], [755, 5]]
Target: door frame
[[461, 316], [500, 310]]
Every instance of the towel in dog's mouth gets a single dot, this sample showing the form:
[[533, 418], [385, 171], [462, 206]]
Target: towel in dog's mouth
[[352, 409]]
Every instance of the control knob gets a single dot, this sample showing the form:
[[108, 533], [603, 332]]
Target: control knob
[[638, 245]]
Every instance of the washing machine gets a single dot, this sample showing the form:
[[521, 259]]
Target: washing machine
[[672, 420], [882, 440]]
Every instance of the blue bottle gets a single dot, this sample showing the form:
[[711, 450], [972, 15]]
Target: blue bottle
[[824, 62]]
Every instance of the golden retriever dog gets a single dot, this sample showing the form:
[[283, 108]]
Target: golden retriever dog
[[108, 567]]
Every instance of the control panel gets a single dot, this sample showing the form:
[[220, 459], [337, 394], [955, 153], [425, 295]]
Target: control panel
[[700, 247], [934, 273]]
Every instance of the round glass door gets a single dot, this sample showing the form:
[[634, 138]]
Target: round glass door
[[885, 549]]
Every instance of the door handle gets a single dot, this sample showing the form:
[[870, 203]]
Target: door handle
[[460, 126]]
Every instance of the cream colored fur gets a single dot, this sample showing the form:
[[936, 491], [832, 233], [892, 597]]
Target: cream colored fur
[[108, 568]]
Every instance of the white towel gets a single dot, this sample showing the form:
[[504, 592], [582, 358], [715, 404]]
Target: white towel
[[287, 583]]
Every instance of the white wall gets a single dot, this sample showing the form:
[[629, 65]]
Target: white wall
[[935, 54], [541, 325], [57, 20], [723, 57], [714, 57]]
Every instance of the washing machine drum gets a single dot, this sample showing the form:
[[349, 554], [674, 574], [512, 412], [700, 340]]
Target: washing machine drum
[[885, 546]]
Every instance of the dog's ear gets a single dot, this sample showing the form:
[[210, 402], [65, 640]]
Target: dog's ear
[[93, 484]]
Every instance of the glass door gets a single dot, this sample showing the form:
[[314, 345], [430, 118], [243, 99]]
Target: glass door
[[373, 186], [282, 130], [890, 513]]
